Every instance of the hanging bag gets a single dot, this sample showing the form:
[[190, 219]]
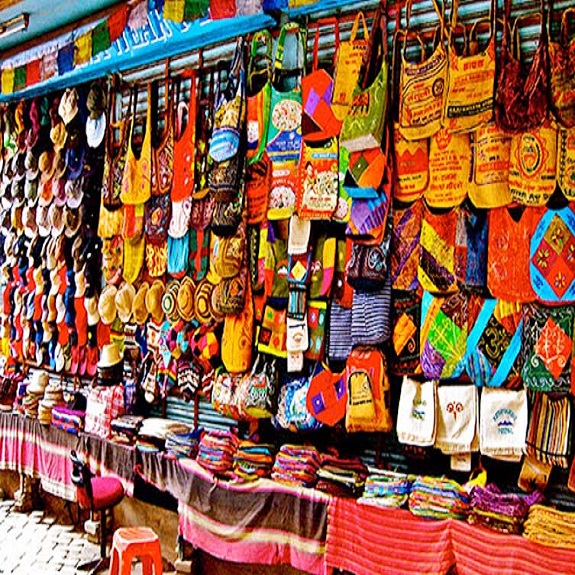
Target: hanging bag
[[364, 124], [422, 86], [349, 57], [258, 390], [471, 78], [163, 151], [521, 98], [566, 161], [561, 78], [284, 132]]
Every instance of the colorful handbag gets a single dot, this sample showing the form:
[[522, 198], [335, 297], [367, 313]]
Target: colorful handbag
[[449, 168], [318, 119], [532, 165], [349, 57], [411, 167], [316, 322], [405, 322], [552, 252], [566, 162], [422, 86], [404, 252], [228, 253], [163, 152], [258, 390], [471, 78], [491, 150], [521, 98], [371, 316], [284, 133], [561, 80], [363, 126]]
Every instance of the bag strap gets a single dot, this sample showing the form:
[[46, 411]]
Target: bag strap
[[376, 52], [359, 18], [289, 28], [515, 36], [261, 38], [439, 10], [319, 24], [564, 34]]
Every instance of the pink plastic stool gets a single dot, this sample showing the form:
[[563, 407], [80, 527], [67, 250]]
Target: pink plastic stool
[[131, 542]]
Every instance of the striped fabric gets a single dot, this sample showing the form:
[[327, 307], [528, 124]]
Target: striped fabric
[[548, 436], [370, 318]]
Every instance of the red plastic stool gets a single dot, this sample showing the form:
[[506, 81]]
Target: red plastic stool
[[131, 542]]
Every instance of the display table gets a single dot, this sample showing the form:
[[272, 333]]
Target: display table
[[43, 452], [263, 522], [368, 540]]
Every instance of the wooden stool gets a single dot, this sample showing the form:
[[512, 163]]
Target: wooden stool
[[131, 542]]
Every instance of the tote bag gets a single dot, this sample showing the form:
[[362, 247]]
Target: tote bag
[[421, 117], [284, 132]]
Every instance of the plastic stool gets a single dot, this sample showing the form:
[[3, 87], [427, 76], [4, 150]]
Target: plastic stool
[[131, 542]]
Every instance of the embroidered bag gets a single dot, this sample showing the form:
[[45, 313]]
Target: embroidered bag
[[416, 413], [443, 335], [364, 124], [470, 88], [230, 295], [493, 356], [368, 404], [163, 150], [224, 397], [318, 119], [272, 333], [405, 322], [566, 161], [370, 315], [422, 87], [552, 251], [521, 98], [532, 165], [258, 390], [284, 133], [136, 180], [316, 322], [436, 272], [561, 80], [547, 352], [349, 56], [230, 110], [318, 188], [157, 216], [227, 216], [404, 252], [449, 169], [491, 150], [508, 251], [228, 253]]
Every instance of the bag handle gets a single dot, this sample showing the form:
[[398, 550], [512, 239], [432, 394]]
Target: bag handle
[[515, 37], [440, 15], [564, 34], [289, 28], [359, 18], [325, 22], [261, 38], [376, 52]]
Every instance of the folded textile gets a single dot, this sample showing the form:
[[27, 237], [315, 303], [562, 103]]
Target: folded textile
[[438, 498], [387, 488], [550, 527], [296, 465]]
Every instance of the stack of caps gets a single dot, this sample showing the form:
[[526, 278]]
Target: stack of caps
[[216, 452], [34, 393], [53, 395], [340, 476], [154, 431], [386, 488], [183, 445], [125, 428], [500, 511], [550, 527], [67, 419], [296, 465], [438, 498], [253, 460]]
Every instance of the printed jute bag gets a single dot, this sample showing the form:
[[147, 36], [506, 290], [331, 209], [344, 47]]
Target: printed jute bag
[[349, 57], [471, 77], [411, 167], [449, 169], [416, 413], [422, 87], [521, 99], [369, 405], [561, 78], [284, 132], [364, 124], [566, 162], [489, 186], [532, 165]]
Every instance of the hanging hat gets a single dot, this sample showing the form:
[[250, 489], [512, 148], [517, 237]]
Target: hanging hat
[[29, 219], [95, 130], [74, 192], [46, 165], [16, 217], [59, 164], [110, 355], [43, 220], [154, 298], [60, 308], [185, 299], [38, 382], [59, 191], [72, 221], [107, 304], [80, 283], [124, 301], [31, 165], [170, 302], [68, 107], [56, 219], [19, 166], [58, 135], [139, 311], [96, 100], [91, 305], [31, 190], [75, 161]]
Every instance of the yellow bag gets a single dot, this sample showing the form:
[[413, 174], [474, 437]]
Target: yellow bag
[[110, 223], [532, 165], [489, 186], [449, 169], [471, 79], [411, 167], [422, 87], [348, 64], [566, 162]]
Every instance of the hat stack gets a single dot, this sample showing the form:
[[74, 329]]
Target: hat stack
[[53, 396], [34, 393]]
